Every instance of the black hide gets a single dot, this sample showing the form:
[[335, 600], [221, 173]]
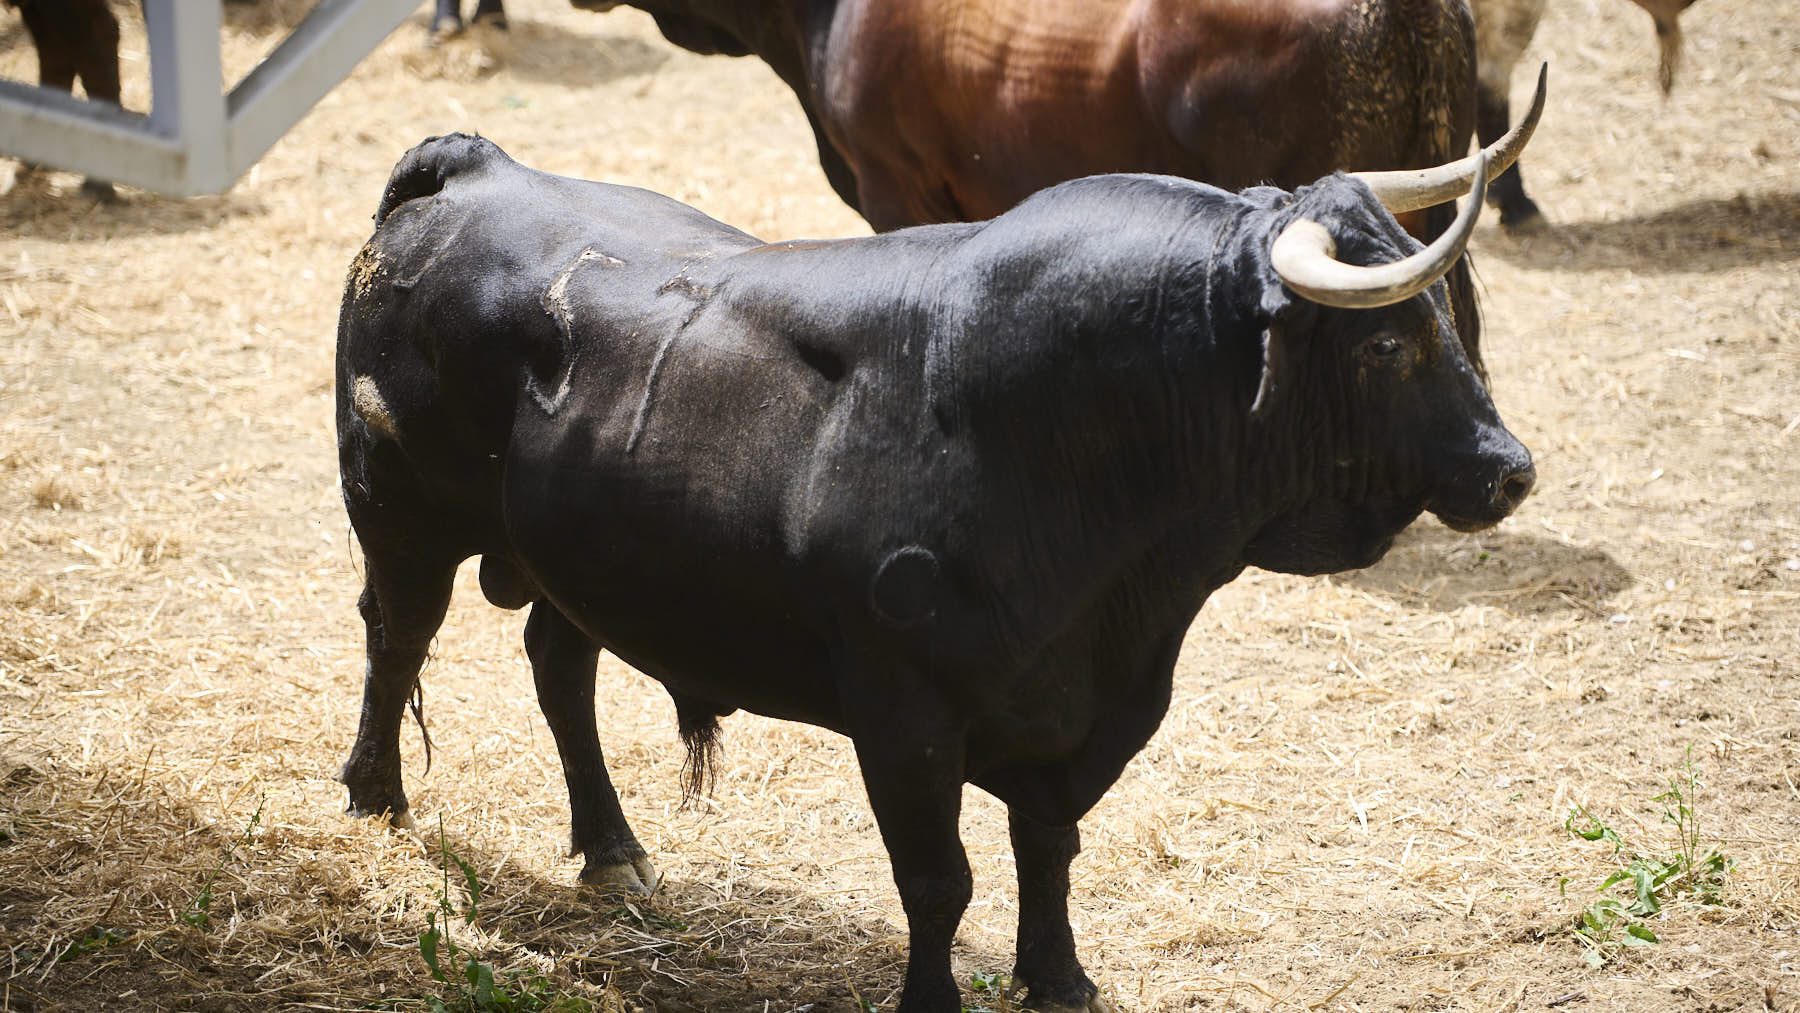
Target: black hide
[[954, 491]]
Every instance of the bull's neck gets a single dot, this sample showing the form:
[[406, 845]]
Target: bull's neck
[[1130, 409], [771, 30]]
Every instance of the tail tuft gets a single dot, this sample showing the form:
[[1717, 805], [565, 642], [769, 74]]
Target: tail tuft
[[700, 734]]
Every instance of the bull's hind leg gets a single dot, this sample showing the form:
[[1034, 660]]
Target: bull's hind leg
[[563, 661], [1047, 967], [403, 602]]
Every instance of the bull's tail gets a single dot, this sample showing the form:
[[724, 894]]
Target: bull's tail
[[425, 169]]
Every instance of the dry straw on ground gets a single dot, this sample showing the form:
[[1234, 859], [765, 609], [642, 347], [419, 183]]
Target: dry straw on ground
[[1356, 802]]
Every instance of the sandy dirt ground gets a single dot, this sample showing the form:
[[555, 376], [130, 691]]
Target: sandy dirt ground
[[1357, 802]]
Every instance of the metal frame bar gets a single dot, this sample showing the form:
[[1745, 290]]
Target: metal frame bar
[[196, 139]]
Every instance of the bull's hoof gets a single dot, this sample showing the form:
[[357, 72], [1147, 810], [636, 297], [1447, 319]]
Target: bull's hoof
[[1066, 999], [443, 28], [1094, 1005], [492, 20], [636, 877], [398, 819], [100, 190]]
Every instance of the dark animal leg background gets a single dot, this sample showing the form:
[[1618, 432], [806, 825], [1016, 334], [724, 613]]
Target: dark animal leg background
[[489, 12], [446, 18], [77, 39], [1507, 192], [1047, 966], [562, 662], [914, 781], [402, 604]]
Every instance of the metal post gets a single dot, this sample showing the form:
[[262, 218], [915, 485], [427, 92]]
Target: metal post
[[322, 51], [186, 84]]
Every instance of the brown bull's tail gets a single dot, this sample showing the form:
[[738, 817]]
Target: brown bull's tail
[[424, 170]]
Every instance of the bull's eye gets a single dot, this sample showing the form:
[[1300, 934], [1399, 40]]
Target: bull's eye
[[1382, 349]]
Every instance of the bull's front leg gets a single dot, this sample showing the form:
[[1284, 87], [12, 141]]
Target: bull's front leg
[[563, 660], [1047, 967], [912, 766], [405, 595]]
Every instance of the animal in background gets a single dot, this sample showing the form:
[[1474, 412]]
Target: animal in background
[[79, 40], [447, 20], [937, 111], [76, 40], [956, 492], [1503, 29]]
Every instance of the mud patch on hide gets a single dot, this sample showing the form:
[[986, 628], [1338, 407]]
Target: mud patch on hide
[[365, 269], [372, 408]]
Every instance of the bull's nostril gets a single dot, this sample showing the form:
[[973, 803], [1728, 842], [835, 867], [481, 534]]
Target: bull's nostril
[[1516, 486]]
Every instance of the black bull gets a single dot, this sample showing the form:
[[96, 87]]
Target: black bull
[[956, 491]]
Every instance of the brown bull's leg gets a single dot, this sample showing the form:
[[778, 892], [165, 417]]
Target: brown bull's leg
[[489, 12], [914, 781], [562, 662], [403, 603], [1507, 191], [1047, 966]]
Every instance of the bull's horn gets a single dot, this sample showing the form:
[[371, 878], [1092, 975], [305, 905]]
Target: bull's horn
[[1305, 256], [1411, 189]]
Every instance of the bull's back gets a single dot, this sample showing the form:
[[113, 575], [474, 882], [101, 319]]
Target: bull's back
[[456, 305], [960, 110]]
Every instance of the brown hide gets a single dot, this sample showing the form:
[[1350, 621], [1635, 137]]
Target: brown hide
[[950, 110]]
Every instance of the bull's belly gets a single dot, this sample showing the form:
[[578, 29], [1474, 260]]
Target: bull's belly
[[701, 634]]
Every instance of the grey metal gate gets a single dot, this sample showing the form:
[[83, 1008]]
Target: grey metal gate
[[196, 139]]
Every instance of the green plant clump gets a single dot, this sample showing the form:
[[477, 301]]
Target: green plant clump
[[476, 986], [1692, 871], [200, 913]]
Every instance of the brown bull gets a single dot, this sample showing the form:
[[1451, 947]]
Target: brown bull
[[933, 110]]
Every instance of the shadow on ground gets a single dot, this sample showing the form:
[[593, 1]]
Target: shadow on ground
[[1710, 234], [116, 893], [48, 205], [545, 53], [1434, 567]]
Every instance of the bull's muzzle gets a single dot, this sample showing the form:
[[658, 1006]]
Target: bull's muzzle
[[1490, 498]]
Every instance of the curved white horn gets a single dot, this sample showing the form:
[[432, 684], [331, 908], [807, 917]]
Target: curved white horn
[[1411, 189], [1305, 256]]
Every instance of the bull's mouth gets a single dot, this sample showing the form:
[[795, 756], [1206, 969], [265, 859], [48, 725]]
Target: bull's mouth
[[1466, 525]]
